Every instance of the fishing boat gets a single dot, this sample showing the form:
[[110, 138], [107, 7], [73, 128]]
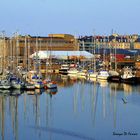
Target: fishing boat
[[128, 76]]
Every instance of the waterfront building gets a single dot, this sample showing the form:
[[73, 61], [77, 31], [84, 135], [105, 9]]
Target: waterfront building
[[17, 49], [137, 44], [88, 43]]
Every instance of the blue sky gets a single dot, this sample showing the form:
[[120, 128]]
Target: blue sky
[[77, 17]]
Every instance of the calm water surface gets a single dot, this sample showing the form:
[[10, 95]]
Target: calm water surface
[[78, 110]]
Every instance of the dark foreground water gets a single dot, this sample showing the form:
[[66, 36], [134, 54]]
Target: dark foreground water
[[78, 110]]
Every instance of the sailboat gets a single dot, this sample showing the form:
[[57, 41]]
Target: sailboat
[[27, 85], [103, 73], [4, 83], [48, 83], [114, 75], [82, 72], [91, 73], [14, 80], [38, 78]]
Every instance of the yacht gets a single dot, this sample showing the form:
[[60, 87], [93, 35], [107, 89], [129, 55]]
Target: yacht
[[114, 76], [82, 73], [92, 74], [29, 86], [73, 71], [103, 75], [64, 69], [128, 76]]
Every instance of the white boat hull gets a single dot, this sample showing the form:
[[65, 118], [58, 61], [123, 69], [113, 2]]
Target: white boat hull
[[102, 77], [72, 72], [38, 86], [81, 74], [51, 85], [92, 75], [16, 86]]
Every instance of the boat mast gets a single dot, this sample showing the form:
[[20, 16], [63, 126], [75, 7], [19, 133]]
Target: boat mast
[[46, 66], [1, 54], [25, 53], [50, 56], [110, 47], [10, 56], [28, 56], [115, 56], [104, 50], [36, 55], [83, 43], [39, 61], [94, 46], [1, 66], [17, 48], [3, 48]]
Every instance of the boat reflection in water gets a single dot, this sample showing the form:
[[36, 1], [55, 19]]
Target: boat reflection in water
[[103, 83], [4, 92], [52, 91], [16, 92], [95, 105]]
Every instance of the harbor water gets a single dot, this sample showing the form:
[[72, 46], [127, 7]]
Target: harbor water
[[79, 109]]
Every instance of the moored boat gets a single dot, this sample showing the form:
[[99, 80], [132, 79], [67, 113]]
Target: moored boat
[[82, 73], [39, 85], [15, 85], [103, 75], [5, 84], [29, 86], [114, 76], [73, 71], [128, 76], [92, 74], [64, 69], [48, 84]]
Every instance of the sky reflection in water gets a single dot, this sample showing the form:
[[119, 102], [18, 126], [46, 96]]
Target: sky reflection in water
[[78, 109]]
